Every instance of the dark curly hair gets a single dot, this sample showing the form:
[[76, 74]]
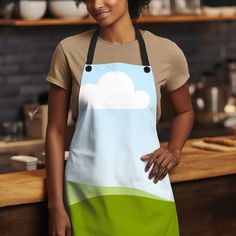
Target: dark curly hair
[[135, 7]]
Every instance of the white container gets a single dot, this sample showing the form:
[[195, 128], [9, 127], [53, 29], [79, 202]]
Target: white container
[[22, 163], [186, 7], [211, 11], [227, 11], [67, 9], [32, 10], [159, 7]]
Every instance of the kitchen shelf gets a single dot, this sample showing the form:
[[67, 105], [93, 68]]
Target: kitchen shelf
[[141, 20]]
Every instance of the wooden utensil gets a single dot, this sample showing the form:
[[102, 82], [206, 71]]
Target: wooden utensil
[[213, 147]]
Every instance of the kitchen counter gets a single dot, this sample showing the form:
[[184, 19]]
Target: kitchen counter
[[202, 187], [30, 186]]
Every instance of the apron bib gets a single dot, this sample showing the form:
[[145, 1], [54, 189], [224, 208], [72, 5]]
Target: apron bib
[[107, 192]]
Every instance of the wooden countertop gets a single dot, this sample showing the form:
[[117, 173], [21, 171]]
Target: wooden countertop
[[30, 186]]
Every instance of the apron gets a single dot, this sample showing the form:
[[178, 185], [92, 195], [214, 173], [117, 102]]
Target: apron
[[107, 192]]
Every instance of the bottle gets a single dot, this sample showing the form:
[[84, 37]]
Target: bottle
[[230, 107], [232, 77]]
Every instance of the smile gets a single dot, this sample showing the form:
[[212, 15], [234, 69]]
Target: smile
[[102, 15]]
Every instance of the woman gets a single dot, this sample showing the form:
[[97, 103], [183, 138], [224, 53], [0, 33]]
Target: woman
[[116, 177]]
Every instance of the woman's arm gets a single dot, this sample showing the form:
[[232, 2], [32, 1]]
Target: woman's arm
[[183, 118], [58, 106], [163, 160]]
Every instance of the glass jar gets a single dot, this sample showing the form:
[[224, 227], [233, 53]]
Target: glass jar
[[232, 77]]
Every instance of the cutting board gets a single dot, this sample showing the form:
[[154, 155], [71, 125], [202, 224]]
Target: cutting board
[[212, 147]]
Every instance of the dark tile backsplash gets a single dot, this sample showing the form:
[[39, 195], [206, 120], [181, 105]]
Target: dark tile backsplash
[[25, 54]]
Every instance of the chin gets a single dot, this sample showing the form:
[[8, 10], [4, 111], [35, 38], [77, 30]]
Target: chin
[[105, 23]]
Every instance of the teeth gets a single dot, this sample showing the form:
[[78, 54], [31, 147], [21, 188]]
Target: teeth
[[103, 14]]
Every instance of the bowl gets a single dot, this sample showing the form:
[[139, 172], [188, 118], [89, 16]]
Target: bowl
[[32, 10], [211, 11], [67, 9], [23, 162]]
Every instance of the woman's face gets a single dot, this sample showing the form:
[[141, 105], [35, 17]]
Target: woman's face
[[107, 12]]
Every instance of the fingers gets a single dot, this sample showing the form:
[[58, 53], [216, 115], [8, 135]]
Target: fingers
[[149, 163], [146, 157], [68, 231], [163, 175], [151, 158], [171, 165], [163, 167], [59, 224], [68, 228], [162, 161], [154, 169], [157, 166]]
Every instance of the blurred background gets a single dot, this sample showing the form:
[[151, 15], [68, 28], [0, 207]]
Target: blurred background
[[26, 48], [204, 29]]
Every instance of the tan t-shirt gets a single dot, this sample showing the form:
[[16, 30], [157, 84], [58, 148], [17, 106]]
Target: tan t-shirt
[[167, 60]]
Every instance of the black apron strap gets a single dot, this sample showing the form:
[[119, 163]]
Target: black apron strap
[[92, 46], [142, 47]]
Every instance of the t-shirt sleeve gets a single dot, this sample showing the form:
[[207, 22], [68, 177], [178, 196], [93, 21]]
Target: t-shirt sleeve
[[178, 71], [59, 72]]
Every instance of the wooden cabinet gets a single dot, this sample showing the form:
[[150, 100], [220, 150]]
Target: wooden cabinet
[[205, 207], [203, 185]]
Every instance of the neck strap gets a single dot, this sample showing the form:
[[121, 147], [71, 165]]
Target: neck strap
[[139, 37]]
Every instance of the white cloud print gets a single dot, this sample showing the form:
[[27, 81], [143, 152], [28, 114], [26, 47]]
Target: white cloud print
[[114, 90]]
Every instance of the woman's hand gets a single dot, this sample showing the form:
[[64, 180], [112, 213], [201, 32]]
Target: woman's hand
[[59, 223], [162, 161]]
